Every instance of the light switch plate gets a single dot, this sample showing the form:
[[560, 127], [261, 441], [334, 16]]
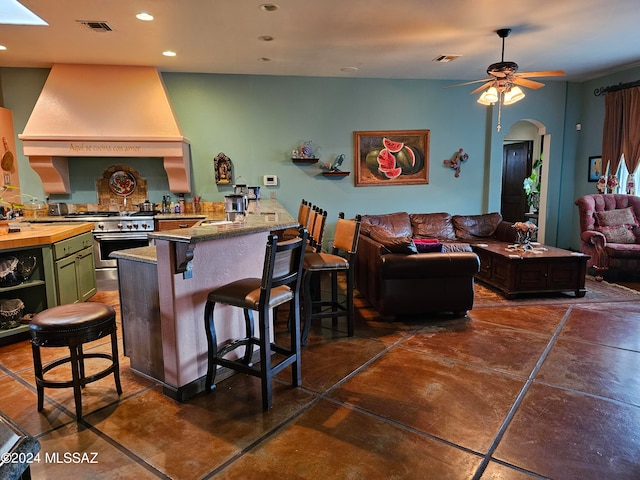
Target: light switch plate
[[270, 180]]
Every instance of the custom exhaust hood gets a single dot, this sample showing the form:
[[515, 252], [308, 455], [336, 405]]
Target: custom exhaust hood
[[104, 111]]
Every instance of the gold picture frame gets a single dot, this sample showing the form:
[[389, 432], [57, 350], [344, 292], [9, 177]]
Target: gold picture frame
[[391, 157]]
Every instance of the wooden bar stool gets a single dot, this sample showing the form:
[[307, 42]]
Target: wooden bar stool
[[72, 326], [340, 259], [280, 284]]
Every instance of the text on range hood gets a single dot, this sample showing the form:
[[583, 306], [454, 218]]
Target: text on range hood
[[104, 111]]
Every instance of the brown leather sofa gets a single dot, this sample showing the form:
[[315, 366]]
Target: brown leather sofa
[[397, 280]]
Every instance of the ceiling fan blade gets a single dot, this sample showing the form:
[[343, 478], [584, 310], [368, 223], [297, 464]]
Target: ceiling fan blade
[[527, 83], [547, 73], [469, 83], [482, 87]]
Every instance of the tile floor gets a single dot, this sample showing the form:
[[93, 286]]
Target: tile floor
[[548, 391]]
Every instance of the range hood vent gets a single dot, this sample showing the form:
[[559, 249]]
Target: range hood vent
[[104, 111]]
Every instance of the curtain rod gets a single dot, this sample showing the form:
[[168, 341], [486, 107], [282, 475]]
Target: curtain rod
[[614, 88]]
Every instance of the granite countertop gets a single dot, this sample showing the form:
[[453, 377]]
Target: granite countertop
[[269, 216], [140, 254]]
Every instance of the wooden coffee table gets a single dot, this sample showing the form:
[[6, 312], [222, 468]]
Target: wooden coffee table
[[548, 269]]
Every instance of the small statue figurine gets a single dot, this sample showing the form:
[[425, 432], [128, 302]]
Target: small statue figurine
[[333, 167], [307, 150]]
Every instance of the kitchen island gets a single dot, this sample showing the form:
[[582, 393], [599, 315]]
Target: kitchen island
[[163, 291], [55, 264]]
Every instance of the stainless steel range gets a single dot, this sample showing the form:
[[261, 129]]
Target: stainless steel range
[[115, 231]]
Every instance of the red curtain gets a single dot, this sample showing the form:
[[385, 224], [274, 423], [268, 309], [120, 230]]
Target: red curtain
[[612, 135], [631, 128]]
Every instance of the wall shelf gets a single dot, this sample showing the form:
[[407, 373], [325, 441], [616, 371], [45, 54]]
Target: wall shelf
[[336, 174], [305, 160]]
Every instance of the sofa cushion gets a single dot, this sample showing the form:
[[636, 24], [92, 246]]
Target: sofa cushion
[[397, 224], [618, 234], [432, 225], [391, 242], [620, 216], [476, 226]]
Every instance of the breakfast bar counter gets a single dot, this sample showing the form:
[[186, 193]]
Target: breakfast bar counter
[[162, 301]]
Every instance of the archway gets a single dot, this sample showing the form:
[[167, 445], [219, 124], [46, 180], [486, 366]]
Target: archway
[[535, 132]]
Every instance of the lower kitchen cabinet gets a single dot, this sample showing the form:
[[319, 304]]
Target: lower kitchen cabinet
[[75, 269], [63, 272]]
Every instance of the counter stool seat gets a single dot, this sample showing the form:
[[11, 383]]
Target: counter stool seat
[[72, 326]]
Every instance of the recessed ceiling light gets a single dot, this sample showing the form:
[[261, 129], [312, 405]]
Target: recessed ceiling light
[[349, 69], [265, 38], [268, 7], [144, 16], [169, 53], [264, 59], [2, 47]]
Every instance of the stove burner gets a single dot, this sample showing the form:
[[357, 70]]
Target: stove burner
[[144, 214]]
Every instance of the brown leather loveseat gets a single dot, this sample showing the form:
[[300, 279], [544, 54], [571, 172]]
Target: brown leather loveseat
[[398, 280]]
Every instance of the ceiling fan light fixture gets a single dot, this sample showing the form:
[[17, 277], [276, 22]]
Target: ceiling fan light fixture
[[490, 95], [513, 95]]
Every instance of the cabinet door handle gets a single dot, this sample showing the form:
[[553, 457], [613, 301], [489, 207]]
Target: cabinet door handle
[[183, 225]]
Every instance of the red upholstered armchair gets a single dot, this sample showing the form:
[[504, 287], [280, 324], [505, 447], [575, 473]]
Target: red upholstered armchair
[[609, 231]]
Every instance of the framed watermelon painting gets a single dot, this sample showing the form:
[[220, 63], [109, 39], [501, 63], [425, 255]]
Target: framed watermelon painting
[[391, 157]]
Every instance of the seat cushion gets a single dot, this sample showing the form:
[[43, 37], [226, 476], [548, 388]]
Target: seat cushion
[[72, 317], [245, 293], [324, 261]]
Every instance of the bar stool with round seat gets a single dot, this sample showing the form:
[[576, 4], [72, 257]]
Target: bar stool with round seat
[[72, 326]]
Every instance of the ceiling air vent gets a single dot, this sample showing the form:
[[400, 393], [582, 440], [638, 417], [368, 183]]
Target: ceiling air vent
[[96, 25], [446, 58]]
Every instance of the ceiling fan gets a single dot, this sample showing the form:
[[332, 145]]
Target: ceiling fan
[[504, 81], [503, 76]]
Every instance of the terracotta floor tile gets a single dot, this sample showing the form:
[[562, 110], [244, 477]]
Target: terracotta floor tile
[[616, 325], [324, 364], [77, 441], [597, 369], [496, 471], [562, 434], [20, 403], [459, 403], [333, 441], [490, 345], [539, 319], [187, 440]]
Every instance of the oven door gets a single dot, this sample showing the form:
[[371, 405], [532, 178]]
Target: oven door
[[105, 243]]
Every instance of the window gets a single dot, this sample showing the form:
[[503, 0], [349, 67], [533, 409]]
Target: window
[[623, 176]]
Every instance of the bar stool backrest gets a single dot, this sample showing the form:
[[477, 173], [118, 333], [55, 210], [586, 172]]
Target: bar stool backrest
[[283, 264], [346, 236]]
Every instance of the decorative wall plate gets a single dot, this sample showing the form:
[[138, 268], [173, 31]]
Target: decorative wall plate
[[122, 183]]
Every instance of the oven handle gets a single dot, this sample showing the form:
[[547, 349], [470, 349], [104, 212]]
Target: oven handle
[[120, 236]]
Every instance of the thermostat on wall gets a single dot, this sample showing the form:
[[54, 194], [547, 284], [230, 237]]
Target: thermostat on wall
[[271, 180]]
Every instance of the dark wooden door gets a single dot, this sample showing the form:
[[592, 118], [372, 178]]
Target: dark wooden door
[[516, 166]]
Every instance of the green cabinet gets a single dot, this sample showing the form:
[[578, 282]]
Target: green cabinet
[[75, 269]]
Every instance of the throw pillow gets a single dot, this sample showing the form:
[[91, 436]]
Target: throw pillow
[[618, 234], [428, 245], [391, 243], [613, 218]]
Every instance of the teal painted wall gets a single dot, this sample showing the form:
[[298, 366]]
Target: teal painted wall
[[258, 120]]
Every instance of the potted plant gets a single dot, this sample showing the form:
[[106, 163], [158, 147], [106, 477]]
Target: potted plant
[[531, 186]]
